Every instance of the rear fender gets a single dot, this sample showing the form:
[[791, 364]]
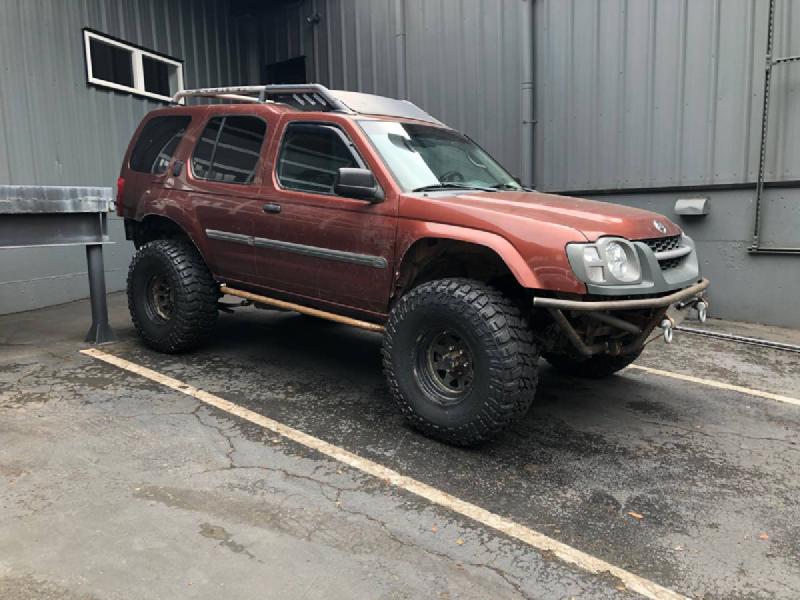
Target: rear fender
[[161, 210]]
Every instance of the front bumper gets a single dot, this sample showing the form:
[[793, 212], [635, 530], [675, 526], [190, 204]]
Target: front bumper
[[629, 304], [591, 328]]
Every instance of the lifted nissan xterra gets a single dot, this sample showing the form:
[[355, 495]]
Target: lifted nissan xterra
[[368, 211]]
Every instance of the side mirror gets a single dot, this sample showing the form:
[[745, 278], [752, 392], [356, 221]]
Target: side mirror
[[357, 183]]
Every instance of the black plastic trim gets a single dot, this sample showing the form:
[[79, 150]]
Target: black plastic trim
[[340, 255], [367, 260]]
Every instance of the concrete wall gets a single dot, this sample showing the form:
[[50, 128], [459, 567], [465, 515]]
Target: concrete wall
[[57, 130]]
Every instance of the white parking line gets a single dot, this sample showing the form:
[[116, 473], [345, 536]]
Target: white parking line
[[645, 587], [718, 384]]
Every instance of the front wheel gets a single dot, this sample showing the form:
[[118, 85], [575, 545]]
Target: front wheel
[[594, 367], [172, 296], [460, 360]]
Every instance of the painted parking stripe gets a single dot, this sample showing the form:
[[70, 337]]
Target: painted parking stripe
[[720, 385], [645, 587]]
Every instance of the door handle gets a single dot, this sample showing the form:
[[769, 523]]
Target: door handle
[[272, 208]]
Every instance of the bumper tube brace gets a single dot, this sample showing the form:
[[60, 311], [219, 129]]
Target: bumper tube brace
[[636, 303]]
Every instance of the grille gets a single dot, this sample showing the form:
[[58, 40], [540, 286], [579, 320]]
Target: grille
[[671, 263], [663, 245]]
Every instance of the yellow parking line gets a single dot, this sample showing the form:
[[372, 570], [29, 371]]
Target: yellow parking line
[[568, 554], [718, 384]]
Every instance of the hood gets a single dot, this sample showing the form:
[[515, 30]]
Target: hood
[[591, 218]]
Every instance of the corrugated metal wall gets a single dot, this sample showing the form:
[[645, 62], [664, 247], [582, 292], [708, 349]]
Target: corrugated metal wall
[[643, 93], [629, 94], [651, 95], [56, 130], [464, 61]]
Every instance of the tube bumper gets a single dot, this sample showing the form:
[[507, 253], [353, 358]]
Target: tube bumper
[[629, 304], [666, 311]]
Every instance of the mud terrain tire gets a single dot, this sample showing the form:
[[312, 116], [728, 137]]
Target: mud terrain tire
[[172, 296], [452, 323], [595, 367]]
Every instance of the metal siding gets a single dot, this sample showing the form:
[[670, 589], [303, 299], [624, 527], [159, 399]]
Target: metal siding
[[463, 58], [662, 93], [55, 129], [641, 93]]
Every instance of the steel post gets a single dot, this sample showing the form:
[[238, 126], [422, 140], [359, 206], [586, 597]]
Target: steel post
[[100, 332]]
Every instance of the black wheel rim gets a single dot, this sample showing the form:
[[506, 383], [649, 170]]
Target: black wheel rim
[[160, 298], [444, 366]]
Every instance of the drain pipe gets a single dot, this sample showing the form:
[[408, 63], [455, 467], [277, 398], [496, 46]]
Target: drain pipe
[[400, 48], [762, 157], [527, 96], [756, 247]]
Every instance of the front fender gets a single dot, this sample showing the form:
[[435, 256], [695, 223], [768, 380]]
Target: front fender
[[544, 268]]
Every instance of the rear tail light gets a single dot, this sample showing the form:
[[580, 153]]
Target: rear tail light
[[120, 192]]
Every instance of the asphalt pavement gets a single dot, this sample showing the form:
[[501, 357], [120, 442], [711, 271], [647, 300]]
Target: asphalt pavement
[[114, 486]]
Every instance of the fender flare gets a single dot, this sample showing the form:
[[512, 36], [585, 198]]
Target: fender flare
[[190, 235], [519, 268]]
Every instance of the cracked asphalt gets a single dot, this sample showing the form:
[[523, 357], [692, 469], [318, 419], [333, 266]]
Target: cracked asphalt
[[112, 486]]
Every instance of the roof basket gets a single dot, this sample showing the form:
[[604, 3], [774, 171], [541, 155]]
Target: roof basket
[[313, 97], [307, 96]]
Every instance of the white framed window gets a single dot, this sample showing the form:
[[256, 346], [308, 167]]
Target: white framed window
[[117, 65]]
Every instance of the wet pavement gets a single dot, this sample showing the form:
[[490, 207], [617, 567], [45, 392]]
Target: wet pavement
[[112, 486]]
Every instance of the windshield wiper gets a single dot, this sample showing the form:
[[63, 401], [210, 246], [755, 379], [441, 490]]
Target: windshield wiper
[[452, 186], [511, 186]]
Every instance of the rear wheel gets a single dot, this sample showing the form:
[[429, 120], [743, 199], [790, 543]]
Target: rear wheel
[[594, 367], [172, 296], [460, 360]]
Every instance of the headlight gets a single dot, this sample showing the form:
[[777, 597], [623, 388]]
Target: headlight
[[617, 261], [608, 261]]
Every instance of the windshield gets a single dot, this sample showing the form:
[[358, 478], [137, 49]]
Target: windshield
[[423, 157]]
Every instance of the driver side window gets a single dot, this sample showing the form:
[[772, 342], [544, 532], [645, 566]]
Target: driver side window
[[311, 156]]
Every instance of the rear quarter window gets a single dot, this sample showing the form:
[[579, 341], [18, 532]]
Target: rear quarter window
[[157, 143]]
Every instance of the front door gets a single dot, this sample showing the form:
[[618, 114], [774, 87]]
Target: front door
[[314, 244]]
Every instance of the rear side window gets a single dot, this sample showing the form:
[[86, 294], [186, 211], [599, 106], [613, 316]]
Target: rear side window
[[157, 144], [311, 156], [229, 149]]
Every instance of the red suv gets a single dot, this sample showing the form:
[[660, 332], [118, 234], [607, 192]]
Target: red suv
[[368, 211]]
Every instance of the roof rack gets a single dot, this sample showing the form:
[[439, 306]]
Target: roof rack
[[313, 97], [308, 96]]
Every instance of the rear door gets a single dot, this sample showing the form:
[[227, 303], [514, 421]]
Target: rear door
[[222, 189], [311, 242]]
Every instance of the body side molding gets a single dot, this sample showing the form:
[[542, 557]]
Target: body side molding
[[368, 260]]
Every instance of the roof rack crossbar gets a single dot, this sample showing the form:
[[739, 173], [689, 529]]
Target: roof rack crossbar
[[227, 93], [307, 92]]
